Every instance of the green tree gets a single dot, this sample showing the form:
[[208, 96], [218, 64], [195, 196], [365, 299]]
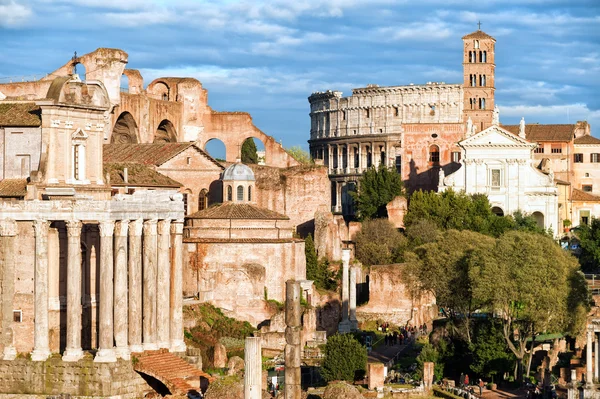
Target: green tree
[[249, 154], [430, 354], [491, 356], [375, 189], [300, 155], [344, 358], [589, 237], [312, 263], [422, 232], [379, 243], [534, 285]]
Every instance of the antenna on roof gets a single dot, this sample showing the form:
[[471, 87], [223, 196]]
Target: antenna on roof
[[74, 59]]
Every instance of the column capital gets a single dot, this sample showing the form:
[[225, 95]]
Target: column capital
[[177, 226], [121, 228], [74, 228], [40, 226], [164, 226], [8, 228], [107, 228], [135, 227], [150, 227]]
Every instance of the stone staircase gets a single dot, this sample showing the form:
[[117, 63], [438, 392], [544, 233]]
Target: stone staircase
[[176, 374]]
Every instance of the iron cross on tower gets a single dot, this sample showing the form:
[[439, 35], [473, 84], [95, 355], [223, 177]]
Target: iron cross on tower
[[479, 25]]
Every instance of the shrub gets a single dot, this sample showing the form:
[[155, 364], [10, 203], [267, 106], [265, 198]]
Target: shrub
[[344, 358], [379, 243]]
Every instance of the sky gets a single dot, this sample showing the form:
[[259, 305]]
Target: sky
[[267, 57]]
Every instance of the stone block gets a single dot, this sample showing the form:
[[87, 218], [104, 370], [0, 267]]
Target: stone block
[[428, 368], [293, 335], [375, 372]]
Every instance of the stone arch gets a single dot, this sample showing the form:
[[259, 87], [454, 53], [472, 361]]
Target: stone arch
[[160, 90], [80, 69], [165, 132], [539, 219], [216, 148], [135, 81], [203, 199], [496, 210], [125, 130], [261, 151]]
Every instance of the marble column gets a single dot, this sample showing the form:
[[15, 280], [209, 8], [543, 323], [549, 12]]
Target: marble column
[[596, 354], [73, 351], [176, 299], [120, 293], [253, 368], [8, 236], [293, 347], [345, 293], [352, 297], [106, 352], [41, 339], [135, 286], [588, 359], [163, 284], [149, 285]]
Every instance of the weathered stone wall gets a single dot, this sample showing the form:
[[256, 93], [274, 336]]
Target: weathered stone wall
[[390, 299], [21, 151], [330, 232], [82, 378]]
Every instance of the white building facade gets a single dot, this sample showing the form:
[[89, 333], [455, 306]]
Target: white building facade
[[500, 164]]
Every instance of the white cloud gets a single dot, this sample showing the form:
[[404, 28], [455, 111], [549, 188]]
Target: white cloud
[[13, 14]]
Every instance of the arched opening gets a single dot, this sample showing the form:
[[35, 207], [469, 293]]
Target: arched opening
[[539, 219], [240, 193], [484, 59], [482, 80], [124, 84], [216, 149], [229, 193], [79, 69], [187, 200], [161, 91], [203, 199], [165, 133], [252, 151], [125, 130], [476, 44], [496, 210], [434, 154], [482, 103]]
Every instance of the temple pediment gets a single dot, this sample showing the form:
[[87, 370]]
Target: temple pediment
[[495, 136]]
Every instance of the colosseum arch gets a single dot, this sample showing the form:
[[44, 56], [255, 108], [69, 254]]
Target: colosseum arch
[[160, 91], [125, 130], [165, 133]]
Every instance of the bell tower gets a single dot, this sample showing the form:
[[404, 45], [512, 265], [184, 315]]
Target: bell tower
[[479, 86]]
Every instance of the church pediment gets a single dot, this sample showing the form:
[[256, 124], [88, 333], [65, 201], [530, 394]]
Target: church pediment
[[495, 136]]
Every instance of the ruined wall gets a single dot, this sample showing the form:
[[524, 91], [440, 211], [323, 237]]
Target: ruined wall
[[21, 149], [82, 378], [295, 192], [330, 233], [390, 299], [234, 276]]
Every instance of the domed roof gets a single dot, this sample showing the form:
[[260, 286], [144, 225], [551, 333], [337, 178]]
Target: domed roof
[[238, 171]]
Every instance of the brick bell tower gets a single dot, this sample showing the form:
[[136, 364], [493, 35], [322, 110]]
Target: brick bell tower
[[479, 87]]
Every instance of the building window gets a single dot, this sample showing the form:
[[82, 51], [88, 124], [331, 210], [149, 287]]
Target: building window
[[240, 193], [578, 158], [434, 154], [368, 112], [484, 58], [229, 193], [473, 79], [482, 103], [482, 80], [456, 156], [539, 150], [399, 164], [556, 149], [249, 193], [343, 115], [396, 111], [202, 200], [587, 175], [594, 158], [185, 203], [587, 188], [584, 217], [189, 160], [17, 316], [476, 44], [495, 178]]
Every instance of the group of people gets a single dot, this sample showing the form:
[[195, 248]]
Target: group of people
[[403, 335]]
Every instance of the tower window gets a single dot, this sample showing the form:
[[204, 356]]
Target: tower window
[[482, 103], [481, 80], [473, 80], [249, 193], [240, 193], [476, 44], [484, 59], [434, 154], [480, 56], [229, 193]]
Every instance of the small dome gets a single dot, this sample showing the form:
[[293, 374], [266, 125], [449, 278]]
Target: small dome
[[238, 171]]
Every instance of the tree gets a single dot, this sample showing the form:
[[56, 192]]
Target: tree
[[344, 358], [379, 243], [589, 237], [491, 356], [375, 189], [422, 232], [532, 283], [318, 269], [299, 155], [249, 154], [430, 354]]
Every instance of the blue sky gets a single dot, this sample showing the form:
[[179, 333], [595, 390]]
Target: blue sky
[[267, 57]]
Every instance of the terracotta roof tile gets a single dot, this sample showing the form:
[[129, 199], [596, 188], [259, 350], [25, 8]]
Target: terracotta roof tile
[[20, 114], [137, 175], [13, 188], [586, 140], [579, 195], [148, 154], [478, 34], [231, 210], [537, 132]]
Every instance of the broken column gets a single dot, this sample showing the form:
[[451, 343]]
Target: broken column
[[353, 321], [293, 320], [253, 368], [345, 325], [428, 374], [376, 374]]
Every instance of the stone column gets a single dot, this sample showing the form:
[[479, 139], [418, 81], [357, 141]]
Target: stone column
[[149, 285], [253, 368], [8, 235], [135, 286], [41, 339], [345, 293], [176, 299], [73, 351], [120, 301], [588, 359], [106, 352], [596, 353], [360, 160], [163, 284], [293, 354], [352, 298]]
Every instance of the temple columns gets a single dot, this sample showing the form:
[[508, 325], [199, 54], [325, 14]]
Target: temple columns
[[73, 351], [8, 234], [135, 286], [176, 297], [41, 342], [120, 292], [149, 259], [106, 352], [163, 284]]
